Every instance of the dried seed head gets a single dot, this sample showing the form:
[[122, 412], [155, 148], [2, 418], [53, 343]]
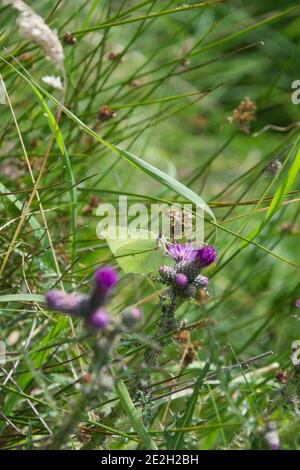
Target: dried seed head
[[92, 204], [69, 39], [244, 114], [105, 114], [84, 435], [288, 228], [33, 27], [55, 82], [113, 56], [135, 83], [188, 356], [282, 377], [182, 336]]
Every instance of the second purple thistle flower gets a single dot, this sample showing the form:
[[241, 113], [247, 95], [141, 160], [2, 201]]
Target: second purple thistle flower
[[88, 307]]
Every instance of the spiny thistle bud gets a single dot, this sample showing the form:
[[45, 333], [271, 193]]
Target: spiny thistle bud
[[200, 281], [98, 320], [131, 316], [190, 269], [167, 274], [273, 167], [181, 280]]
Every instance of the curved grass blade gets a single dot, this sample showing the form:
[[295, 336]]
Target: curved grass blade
[[132, 414], [281, 192], [185, 420], [158, 175]]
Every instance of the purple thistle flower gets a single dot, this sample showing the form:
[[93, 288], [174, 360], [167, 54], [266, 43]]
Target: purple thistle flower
[[98, 320], [131, 316], [297, 303], [136, 313], [201, 281], [105, 278], [65, 303], [181, 252], [181, 280], [206, 256]]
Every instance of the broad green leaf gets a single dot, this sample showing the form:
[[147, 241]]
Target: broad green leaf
[[141, 255]]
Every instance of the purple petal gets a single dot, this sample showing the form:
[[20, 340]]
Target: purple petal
[[206, 256], [98, 320], [64, 302], [181, 252], [105, 278]]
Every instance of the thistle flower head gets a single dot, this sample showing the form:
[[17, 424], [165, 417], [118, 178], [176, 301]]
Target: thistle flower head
[[98, 320], [105, 278], [131, 316], [201, 281], [206, 256], [89, 307], [181, 251], [167, 274], [297, 303], [65, 303]]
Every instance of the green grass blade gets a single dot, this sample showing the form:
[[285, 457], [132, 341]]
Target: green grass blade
[[132, 414], [185, 420]]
